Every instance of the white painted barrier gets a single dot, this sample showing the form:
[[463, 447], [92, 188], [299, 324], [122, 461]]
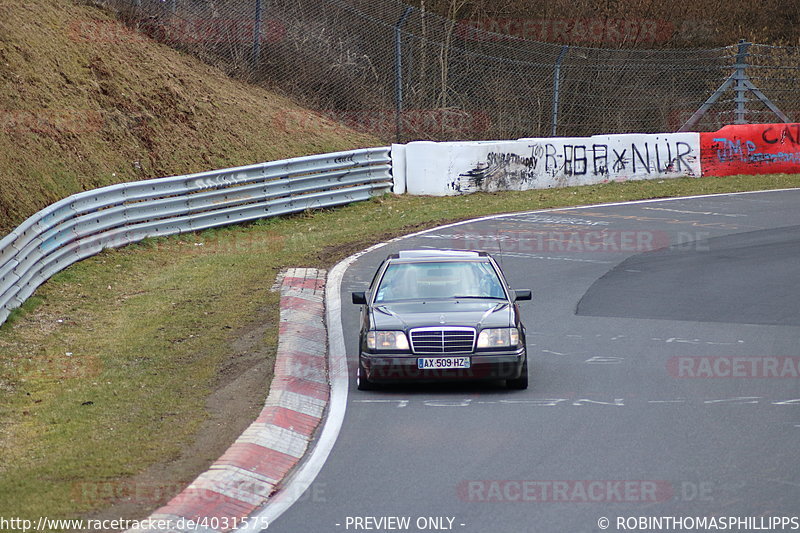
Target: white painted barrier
[[398, 155], [452, 168]]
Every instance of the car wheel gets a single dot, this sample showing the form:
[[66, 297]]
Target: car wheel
[[520, 383], [362, 382]]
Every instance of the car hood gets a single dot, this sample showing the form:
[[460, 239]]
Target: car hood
[[407, 315]]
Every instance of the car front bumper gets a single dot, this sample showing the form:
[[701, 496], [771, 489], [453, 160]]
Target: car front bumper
[[399, 368]]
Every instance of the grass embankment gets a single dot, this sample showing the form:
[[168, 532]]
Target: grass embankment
[[111, 374], [138, 357], [86, 102]]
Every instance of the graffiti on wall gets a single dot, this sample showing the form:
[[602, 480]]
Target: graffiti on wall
[[564, 162], [751, 149]]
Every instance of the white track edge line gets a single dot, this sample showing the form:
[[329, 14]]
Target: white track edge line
[[300, 480]]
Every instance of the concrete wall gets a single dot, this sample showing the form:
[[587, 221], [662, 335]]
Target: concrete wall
[[453, 168], [751, 149]]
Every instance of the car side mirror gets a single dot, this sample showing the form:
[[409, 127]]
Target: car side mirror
[[361, 298], [522, 294]]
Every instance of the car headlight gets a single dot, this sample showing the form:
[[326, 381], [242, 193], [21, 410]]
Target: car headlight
[[498, 338], [387, 340]]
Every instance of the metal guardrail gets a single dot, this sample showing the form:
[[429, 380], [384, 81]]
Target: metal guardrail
[[83, 224]]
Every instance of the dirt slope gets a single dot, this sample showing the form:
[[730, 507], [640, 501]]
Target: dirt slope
[[86, 102]]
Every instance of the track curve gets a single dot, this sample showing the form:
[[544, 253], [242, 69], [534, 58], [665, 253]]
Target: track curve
[[655, 392]]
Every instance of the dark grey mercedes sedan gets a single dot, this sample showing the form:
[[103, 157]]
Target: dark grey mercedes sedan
[[441, 315]]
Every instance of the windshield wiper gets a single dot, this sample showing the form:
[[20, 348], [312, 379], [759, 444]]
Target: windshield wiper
[[479, 297], [386, 310]]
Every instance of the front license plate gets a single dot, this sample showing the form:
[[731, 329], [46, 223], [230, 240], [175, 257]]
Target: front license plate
[[426, 363]]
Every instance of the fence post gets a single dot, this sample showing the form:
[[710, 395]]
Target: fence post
[[398, 71], [257, 36], [741, 82], [556, 87]]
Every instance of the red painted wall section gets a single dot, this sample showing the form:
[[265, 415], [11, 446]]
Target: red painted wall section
[[751, 149]]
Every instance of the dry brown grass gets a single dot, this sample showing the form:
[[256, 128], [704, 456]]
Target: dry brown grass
[[85, 102]]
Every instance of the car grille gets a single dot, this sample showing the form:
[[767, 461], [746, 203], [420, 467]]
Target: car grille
[[442, 340]]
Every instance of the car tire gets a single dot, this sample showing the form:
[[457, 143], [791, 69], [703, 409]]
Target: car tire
[[362, 382], [520, 383]]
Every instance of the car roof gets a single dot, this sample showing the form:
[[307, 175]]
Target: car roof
[[438, 254]]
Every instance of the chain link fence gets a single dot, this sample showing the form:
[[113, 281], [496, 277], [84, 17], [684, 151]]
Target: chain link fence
[[403, 73]]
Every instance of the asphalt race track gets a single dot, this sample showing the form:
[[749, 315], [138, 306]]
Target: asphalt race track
[[663, 342]]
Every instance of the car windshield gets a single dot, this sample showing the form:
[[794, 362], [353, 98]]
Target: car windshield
[[446, 279]]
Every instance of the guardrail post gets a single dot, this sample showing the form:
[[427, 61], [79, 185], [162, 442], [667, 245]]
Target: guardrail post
[[556, 87], [398, 70]]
